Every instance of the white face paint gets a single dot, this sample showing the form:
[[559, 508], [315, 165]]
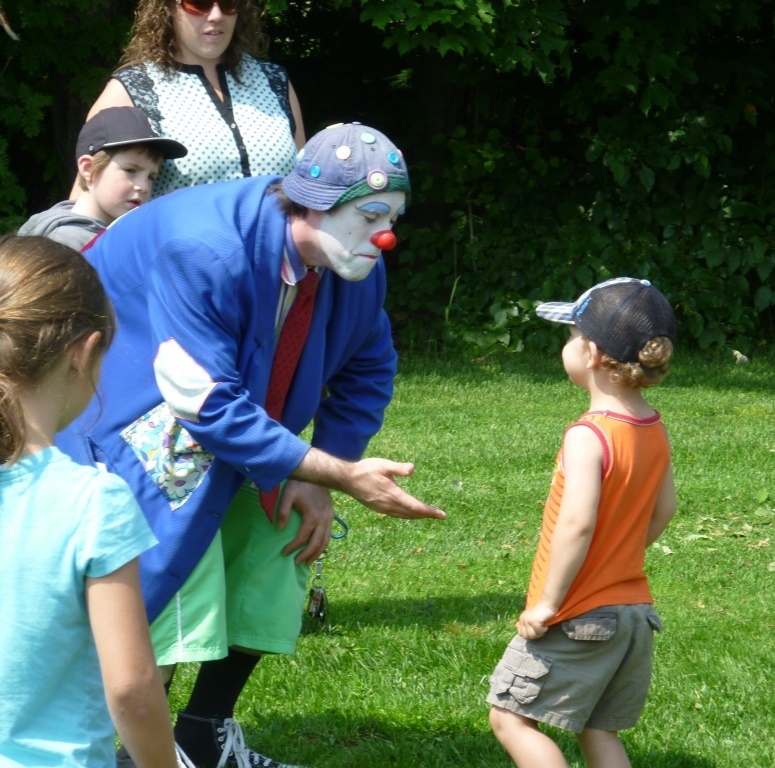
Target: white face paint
[[344, 234]]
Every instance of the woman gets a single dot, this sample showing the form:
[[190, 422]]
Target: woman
[[190, 66]]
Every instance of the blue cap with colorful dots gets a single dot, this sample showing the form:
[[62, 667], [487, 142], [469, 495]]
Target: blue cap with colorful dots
[[344, 162]]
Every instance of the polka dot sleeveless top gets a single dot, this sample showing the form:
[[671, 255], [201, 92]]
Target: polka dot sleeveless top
[[249, 133]]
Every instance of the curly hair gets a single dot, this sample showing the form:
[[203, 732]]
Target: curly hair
[[652, 366], [152, 38]]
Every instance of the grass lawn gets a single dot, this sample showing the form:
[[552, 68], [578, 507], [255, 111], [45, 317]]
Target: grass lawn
[[422, 611]]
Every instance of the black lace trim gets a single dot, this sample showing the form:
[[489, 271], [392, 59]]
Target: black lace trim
[[140, 88]]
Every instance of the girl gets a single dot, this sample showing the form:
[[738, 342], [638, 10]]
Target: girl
[[69, 535]]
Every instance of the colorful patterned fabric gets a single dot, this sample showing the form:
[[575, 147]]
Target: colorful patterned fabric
[[175, 462]]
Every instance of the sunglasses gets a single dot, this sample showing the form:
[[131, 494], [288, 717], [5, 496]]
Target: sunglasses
[[202, 7]]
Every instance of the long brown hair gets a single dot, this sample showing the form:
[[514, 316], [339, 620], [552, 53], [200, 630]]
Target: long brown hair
[[50, 298], [152, 39]]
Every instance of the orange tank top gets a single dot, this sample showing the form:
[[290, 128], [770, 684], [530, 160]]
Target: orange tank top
[[636, 456]]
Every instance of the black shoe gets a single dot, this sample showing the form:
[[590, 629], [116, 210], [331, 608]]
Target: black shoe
[[123, 759], [213, 743]]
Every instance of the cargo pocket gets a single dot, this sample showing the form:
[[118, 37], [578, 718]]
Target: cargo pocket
[[653, 618], [521, 675], [597, 627]]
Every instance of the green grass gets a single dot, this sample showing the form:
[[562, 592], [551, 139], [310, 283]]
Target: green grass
[[421, 611]]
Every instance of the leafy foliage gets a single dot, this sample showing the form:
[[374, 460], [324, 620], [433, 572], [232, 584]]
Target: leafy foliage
[[552, 145], [617, 141], [48, 80]]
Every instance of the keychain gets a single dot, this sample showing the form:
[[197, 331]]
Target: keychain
[[317, 604]]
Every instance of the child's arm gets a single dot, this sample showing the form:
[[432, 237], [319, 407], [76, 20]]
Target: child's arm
[[133, 686], [582, 459], [664, 509]]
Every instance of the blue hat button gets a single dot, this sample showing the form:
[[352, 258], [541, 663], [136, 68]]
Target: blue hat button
[[368, 138], [314, 171], [394, 158]]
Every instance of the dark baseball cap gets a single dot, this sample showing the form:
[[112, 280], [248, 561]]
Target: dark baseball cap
[[120, 127], [619, 315], [344, 162]]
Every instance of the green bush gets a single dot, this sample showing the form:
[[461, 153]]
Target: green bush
[[618, 142], [551, 145]]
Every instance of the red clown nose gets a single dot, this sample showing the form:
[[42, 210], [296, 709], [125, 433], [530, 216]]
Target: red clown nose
[[385, 240]]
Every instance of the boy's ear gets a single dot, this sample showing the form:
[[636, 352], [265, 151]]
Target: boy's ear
[[595, 355], [84, 352], [84, 167]]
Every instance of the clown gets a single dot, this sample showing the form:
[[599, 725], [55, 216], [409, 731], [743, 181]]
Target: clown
[[204, 282]]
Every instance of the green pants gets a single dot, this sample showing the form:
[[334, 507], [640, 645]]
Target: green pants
[[243, 591]]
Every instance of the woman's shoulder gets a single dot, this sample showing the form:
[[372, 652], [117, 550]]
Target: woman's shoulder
[[131, 69], [148, 74], [264, 65], [134, 76]]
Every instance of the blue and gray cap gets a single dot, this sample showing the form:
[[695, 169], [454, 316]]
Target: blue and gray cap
[[619, 315], [344, 162]]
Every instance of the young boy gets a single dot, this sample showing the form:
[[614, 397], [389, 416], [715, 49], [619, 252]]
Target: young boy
[[582, 657], [118, 155]]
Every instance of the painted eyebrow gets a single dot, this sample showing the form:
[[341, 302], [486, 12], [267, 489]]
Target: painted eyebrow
[[374, 207]]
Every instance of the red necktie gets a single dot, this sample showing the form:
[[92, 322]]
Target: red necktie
[[286, 357]]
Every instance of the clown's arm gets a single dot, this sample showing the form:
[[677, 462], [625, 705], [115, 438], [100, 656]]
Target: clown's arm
[[198, 332]]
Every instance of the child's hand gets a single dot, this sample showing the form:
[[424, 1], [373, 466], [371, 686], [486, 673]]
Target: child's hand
[[532, 621]]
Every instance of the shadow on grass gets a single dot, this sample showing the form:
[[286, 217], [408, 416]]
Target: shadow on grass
[[331, 740], [688, 369], [670, 758], [427, 612]]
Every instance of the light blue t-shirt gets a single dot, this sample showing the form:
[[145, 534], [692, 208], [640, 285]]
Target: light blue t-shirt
[[60, 523]]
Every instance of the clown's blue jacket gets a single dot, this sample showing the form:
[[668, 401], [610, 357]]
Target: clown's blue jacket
[[195, 278]]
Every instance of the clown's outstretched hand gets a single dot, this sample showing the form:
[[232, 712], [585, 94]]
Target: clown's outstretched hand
[[370, 481]]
